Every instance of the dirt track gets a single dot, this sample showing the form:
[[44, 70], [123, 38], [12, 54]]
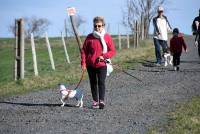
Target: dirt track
[[131, 106]]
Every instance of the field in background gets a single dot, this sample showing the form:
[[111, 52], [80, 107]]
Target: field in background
[[66, 73]]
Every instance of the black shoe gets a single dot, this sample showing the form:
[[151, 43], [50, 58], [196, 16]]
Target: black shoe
[[101, 105]]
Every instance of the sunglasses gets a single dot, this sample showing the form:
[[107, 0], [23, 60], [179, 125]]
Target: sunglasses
[[95, 26]]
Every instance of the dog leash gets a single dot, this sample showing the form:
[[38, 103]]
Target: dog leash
[[116, 65], [120, 68], [82, 75]]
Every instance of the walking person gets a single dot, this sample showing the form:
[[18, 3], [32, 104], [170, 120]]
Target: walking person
[[196, 24], [97, 48], [197, 40], [161, 28], [176, 44], [196, 31]]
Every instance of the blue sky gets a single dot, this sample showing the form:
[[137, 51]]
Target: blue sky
[[179, 12]]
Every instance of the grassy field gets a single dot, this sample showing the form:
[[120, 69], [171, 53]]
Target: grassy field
[[184, 120], [66, 73]]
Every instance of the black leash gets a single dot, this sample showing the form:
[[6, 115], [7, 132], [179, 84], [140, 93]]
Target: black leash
[[131, 75], [120, 68]]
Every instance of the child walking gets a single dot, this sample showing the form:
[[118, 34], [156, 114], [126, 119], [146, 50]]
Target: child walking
[[176, 44]]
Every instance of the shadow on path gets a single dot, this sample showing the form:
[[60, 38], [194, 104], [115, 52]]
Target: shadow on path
[[35, 104]]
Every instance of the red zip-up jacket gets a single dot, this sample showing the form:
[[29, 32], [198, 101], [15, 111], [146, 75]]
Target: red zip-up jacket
[[177, 43], [92, 49]]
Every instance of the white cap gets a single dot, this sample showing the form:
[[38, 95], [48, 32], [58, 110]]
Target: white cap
[[160, 8]]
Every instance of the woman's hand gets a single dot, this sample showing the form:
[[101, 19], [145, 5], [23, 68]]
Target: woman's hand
[[186, 50], [101, 58], [83, 67]]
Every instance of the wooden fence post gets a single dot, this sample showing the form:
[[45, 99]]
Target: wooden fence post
[[127, 39], [136, 35], [119, 39], [138, 30], [17, 60], [22, 48], [50, 52], [142, 27], [34, 55], [65, 23], [19, 49], [65, 49]]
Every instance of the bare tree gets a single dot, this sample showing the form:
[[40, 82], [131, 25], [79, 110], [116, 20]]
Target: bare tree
[[79, 20], [142, 11], [11, 28], [34, 25]]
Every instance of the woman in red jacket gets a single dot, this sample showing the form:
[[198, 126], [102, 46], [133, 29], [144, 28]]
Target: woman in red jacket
[[176, 44], [98, 47]]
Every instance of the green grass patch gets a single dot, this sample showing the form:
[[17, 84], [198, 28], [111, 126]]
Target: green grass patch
[[184, 120], [64, 73]]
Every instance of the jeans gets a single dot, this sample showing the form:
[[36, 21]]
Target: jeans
[[97, 78], [199, 46], [157, 44]]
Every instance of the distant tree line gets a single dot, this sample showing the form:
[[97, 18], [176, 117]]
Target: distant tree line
[[141, 11], [34, 25], [38, 26]]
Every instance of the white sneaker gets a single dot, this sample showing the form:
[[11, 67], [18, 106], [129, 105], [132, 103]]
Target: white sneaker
[[165, 63], [175, 68]]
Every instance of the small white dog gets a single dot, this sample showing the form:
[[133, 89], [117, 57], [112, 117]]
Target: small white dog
[[67, 93], [168, 58]]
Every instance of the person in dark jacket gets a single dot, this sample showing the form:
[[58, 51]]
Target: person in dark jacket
[[176, 44], [97, 48], [196, 24], [197, 40], [197, 37]]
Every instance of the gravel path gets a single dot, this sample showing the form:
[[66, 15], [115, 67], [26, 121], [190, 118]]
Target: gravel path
[[131, 106]]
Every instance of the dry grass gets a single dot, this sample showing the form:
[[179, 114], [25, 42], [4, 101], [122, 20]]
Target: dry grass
[[64, 73]]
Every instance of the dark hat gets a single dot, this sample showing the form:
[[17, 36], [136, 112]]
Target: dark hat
[[175, 30]]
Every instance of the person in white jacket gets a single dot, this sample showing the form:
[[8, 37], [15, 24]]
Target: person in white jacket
[[161, 28]]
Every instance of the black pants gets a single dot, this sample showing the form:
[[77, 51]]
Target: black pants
[[97, 78], [176, 59]]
